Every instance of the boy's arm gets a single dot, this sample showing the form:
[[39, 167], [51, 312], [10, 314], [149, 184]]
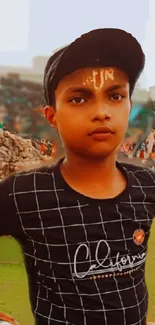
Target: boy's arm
[[9, 220]]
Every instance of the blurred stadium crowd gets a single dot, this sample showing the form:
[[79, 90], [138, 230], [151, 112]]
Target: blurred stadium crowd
[[19, 103]]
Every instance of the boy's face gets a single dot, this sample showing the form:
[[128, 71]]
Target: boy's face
[[92, 111]]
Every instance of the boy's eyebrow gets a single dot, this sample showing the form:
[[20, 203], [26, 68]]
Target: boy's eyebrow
[[79, 90], [116, 87], [89, 90]]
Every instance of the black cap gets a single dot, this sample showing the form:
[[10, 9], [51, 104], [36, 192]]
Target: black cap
[[98, 48]]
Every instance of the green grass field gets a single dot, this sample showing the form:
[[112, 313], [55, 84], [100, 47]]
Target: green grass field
[[13, 281], [14, 299]]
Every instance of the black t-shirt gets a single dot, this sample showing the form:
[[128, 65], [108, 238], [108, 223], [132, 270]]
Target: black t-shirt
[[85, 258]]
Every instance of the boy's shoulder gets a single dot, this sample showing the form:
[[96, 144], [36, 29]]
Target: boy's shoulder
[[143, 174], [28, 178], [41, 172], [135, 167]]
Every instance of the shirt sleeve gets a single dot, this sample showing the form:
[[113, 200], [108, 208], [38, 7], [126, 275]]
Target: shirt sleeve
[[9, 219]]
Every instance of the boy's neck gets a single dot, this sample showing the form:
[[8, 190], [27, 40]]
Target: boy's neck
[[96, 179], [90, 169]]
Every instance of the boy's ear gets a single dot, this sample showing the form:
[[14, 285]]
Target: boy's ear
[[50, 115]]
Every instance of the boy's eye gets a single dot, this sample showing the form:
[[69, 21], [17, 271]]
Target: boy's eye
[[77, 100], [116, 97]]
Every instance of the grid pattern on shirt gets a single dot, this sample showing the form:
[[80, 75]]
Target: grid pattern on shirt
[[83, 264]]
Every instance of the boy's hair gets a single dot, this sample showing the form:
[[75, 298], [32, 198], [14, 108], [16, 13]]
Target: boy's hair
[[98, 48]]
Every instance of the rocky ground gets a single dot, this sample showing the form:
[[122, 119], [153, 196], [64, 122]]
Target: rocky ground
[[17, 153]]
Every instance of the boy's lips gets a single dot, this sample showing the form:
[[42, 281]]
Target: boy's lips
[[103, 130], [101, 133]]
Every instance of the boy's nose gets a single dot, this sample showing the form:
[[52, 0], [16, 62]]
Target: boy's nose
[[101, 113]]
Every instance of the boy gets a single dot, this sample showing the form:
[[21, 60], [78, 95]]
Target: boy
[[84, 224]]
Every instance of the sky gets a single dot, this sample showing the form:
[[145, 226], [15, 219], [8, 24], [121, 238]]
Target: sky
[[31, 28]]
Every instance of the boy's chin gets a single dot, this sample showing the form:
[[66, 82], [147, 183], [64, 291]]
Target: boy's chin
[[98, 154]]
